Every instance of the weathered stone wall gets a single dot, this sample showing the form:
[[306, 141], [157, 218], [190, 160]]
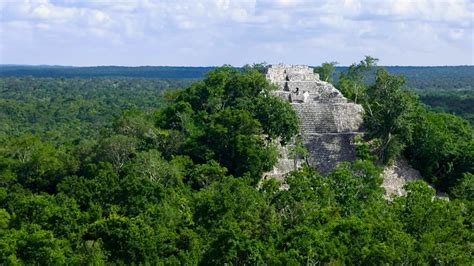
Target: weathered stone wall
[[328, 122]]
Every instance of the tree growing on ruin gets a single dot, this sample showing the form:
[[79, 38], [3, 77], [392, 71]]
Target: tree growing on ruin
[[326, 71]]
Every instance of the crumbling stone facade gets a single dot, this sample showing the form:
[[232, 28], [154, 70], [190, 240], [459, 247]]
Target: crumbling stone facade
[[328, 122]]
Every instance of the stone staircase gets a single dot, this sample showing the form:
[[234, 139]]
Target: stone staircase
[[327, 150], [328, 122], [328, 117]]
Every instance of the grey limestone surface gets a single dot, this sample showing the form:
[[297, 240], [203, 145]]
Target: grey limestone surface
[[328, 122], [397, 175]]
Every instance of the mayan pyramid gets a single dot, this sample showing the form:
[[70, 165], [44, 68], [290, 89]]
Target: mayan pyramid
[[328, 121]]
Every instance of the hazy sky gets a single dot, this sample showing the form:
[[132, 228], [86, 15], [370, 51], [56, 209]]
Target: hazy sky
[[216, 32]]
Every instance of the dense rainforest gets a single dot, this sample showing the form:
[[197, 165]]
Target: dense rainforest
[[67, 110], [447, 89], [120, 170]]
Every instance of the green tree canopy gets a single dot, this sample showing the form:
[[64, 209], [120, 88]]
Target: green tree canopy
[[326, 71]]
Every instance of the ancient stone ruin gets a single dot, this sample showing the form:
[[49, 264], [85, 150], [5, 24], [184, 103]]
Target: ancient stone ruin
[[328, 122]]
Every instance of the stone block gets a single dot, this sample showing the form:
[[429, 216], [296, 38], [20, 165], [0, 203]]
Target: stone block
[[328, 150]]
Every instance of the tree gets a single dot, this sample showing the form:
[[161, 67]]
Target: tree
[[389, 111], [203, 175], [33, 163], [231, 117], [276, 116], [234, 139], [31, 245], [326, 71], [465, 187], [439, 226], [117, 150], [243, 224], [150, 164], [126, 240], [442, 148], [353, 82]]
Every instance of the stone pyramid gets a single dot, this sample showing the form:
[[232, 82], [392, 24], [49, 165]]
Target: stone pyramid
[[328, 122]]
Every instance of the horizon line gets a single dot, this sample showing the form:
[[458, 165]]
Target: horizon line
[[204, 66]]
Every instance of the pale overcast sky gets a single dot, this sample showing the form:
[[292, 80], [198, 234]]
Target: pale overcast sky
[[216, 32]]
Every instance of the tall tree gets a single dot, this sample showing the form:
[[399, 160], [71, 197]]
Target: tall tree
[[326, 71], [353, 82], [389, 109]]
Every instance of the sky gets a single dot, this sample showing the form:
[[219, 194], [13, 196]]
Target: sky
[[236, 32]]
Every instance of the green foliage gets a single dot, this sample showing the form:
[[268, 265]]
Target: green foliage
[[465, 187], [425, 218], [275, 115], [260, 67], [69, 110], [389, 113], [129, 240], [442, 88], [356, 184], [203, 175], [151, 165], [298, 151], [326, 71], [182, 184], [230, 118], [155, 72], [352, 83], [459, 102], [32, 245], [364, 150], [439, 145], [33, 163], [442, 148], [242, 223]]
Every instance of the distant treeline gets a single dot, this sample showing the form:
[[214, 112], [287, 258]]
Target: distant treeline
[[167, 72], [444, 88], [432, 78], [439, 77]]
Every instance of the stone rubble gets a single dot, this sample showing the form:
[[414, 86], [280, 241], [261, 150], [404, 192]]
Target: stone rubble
[[395, 177]]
